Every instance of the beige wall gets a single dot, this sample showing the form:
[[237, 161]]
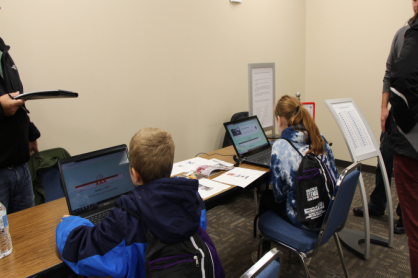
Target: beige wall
[[182, 65], [178, 65], [347, 44]]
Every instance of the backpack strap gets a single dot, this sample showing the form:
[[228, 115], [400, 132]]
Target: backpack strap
[[293, 146], [149, 235], [130, 212]]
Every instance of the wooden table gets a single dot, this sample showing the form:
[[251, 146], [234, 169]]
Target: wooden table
[[33, 230], [33, 238]]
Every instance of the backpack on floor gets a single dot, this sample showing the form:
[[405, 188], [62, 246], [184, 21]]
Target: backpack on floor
[[314, 188], [190, 258]]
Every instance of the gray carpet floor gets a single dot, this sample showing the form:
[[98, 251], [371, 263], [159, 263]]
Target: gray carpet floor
[[230, 227]]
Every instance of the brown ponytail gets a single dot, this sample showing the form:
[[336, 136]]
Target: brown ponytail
[[293, 111]]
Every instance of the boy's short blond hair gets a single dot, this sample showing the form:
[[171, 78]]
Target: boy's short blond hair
[[151, 153]]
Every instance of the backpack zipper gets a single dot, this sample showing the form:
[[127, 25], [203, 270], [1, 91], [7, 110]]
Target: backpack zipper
[[213, 265], [180, 259], [197, 261], [203, 256], [318, 171]]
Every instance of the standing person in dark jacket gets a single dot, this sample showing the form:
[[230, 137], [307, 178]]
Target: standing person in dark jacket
[[403, 135], [170, 208], [17, 138], [377, 204]]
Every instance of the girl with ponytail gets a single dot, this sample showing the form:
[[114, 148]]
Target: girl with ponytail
[[295, 124]]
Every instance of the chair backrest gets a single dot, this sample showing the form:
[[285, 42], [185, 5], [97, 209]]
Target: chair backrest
[[267, 266], [343, 196], [227, 139], [52, 184]]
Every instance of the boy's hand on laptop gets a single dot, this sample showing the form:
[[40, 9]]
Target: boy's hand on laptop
[[64, 216]]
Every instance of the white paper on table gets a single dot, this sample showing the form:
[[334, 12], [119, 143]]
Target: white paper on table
[[192, 164], [239, 176], [208, 188], [189, 165]]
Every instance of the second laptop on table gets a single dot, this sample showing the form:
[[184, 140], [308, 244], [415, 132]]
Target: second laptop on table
[[250, 141]]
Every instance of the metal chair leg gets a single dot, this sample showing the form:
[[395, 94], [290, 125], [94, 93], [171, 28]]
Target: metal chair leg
[[255, 201], [302, 257], [289, 264], [340, 252], [264, 247]]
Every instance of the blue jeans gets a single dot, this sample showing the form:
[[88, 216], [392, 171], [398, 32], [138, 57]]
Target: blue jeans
[[16, 192], [377, 202]]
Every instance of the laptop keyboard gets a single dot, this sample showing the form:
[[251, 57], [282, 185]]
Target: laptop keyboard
[[98, 217], [262, 157]]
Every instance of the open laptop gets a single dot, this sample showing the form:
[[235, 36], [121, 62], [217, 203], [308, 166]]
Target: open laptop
[[250, 141], [92, 182]]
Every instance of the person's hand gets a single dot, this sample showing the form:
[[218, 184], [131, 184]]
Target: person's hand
[[64, 216], [9, 105], [383, 116], [33, 147]]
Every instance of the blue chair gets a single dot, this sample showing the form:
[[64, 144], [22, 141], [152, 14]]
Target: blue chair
[[266, 267], [306, 243], [52, 184]]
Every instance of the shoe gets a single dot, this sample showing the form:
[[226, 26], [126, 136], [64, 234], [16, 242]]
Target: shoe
[[359, 212], [399, 228], [254, 256]]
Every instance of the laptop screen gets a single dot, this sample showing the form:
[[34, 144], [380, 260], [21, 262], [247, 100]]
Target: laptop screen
[[90, 181], [247, 135]]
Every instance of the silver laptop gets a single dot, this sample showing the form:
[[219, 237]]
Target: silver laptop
[[92, 182], [250, 141]]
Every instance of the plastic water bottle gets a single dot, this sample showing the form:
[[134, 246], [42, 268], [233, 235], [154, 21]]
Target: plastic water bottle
[[5, 239]]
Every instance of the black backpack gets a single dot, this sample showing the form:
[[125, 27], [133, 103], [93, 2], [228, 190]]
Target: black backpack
[[314, 188], [190, 258]]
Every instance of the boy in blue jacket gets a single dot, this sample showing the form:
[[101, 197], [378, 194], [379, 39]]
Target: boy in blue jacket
[[171, 209]]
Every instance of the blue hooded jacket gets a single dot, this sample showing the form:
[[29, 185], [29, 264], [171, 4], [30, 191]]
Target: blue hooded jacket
[[170, 207]]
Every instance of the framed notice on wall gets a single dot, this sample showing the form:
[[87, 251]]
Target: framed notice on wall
[[261, 93]]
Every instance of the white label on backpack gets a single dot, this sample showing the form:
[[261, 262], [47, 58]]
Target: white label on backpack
[[312, 193], [315, 212]]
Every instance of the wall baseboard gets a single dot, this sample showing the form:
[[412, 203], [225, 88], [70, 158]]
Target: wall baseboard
[[364, 168]]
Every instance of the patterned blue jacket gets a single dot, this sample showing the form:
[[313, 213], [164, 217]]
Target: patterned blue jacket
[[284, 165], [171, 208]]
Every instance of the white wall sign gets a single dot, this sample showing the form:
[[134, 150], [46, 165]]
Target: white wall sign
[[262, 88]]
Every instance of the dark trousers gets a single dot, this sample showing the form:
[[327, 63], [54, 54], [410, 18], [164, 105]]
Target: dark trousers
[[267, 203], [378, 199], [406, 181]]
